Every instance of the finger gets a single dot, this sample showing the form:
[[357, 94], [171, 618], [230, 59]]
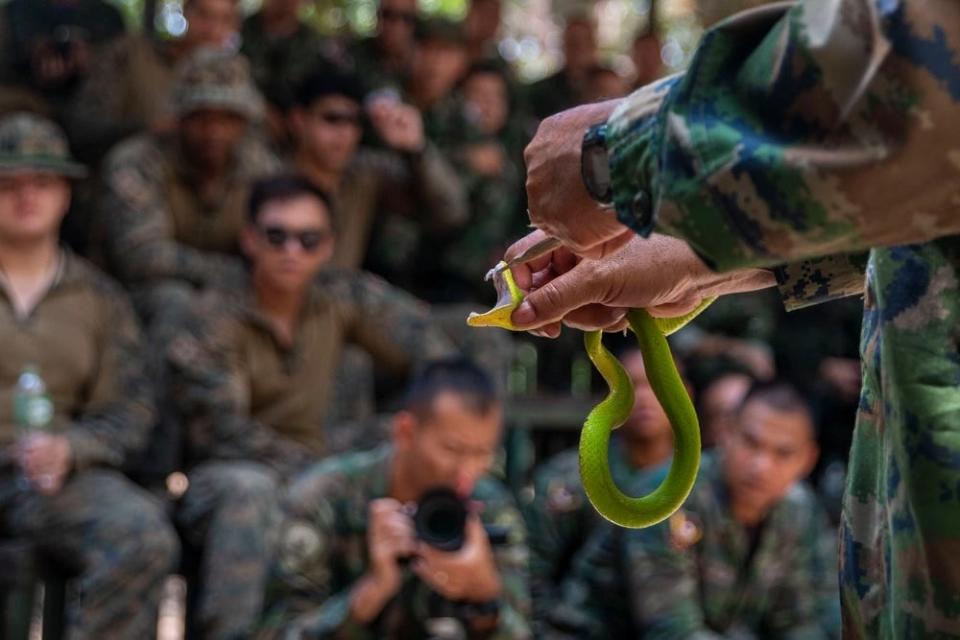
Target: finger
[[594, 317], [674, 309], [557, 298]]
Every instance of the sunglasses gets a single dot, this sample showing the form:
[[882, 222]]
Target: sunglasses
[[338, 118], [277, 237], [393, 14]]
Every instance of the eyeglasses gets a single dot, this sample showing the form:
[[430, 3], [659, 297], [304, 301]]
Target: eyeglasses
[[338, 118], [310, 241], [388, 15]]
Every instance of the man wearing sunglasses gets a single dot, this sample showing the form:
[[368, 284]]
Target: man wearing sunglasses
[[253, 371], [394, 195]]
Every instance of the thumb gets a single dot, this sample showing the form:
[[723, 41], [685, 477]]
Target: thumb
[[558, 297]]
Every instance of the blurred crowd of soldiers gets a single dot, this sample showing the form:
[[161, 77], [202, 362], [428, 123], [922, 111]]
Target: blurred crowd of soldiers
[[295, 228]]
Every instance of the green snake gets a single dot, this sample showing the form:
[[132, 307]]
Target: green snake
[[613, 411]]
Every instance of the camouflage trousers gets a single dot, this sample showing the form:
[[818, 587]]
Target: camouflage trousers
[[231, 513], [113, 537]]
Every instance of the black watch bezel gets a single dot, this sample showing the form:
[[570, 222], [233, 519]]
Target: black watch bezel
[[595, 164]]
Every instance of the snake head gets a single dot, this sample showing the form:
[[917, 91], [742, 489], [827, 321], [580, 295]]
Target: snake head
[[509, 297]]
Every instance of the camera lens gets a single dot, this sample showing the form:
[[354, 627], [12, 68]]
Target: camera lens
[[440, 519]]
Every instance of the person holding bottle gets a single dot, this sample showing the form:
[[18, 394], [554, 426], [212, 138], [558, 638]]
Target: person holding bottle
[[75, 402]]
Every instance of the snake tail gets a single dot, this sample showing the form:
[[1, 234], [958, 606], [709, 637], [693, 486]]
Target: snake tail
[[613, 411]]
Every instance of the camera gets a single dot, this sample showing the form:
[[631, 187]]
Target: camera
[[440, 521]]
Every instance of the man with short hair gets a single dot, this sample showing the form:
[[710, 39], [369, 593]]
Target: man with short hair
[[130, 86], [351, 563], [385, 197], [69, 336], [174, 205], [253, 376], [749, 555]]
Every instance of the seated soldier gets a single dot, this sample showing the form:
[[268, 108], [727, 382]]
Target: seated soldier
[[399, 191], [173, 205], [351, 563], [46, 47], [560, 519], [749, 555], [130, 86], [252, 374], [75, 401]]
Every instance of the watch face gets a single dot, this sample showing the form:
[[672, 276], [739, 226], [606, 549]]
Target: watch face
[[596, 173]]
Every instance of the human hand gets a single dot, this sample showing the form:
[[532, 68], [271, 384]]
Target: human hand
[[468, 574], [660, 274], [390, 538], [46, 460], [485, 159], [557, 199], [400, 125], [843, 375]]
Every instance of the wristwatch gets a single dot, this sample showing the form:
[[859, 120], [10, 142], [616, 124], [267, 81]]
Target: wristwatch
[[595, 164]]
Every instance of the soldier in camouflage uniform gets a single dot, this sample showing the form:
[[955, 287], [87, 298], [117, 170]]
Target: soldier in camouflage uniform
[[60, 484], [130, 85], [559, 517], [395, 194], [800, 138], [252, 373], [173, 205], [750, 554], [350, 564]]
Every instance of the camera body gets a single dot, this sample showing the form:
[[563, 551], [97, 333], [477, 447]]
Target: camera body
[[440, 520]]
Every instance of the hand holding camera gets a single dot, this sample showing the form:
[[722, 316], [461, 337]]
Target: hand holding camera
[[468, 574]]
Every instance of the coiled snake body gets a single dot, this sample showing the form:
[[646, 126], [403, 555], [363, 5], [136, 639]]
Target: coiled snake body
[[613, 411]]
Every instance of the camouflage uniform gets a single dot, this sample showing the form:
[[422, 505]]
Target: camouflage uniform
[[821, 130], [323, 553], [162, 237], [703, 575], [83, 338], [255, 413], [560, 520]]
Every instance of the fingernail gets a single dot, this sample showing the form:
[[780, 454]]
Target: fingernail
[[524, 314]]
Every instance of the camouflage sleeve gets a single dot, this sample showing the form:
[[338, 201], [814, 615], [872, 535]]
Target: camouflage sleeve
[[139, 237], [116, 420], [303, 600], [393, 326], [554, 524], [663, 587], [210, 387], [797, 133], [94, 116], [821, 280], [512, 558]]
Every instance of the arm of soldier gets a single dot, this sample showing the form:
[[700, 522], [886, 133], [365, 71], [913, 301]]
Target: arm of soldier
[[138, 232], [806, 606], [393, 326], [820, 280], [744, 186], [95, 114], [116, 419], [310, 599], [209, 385], [663, 586], [552, 521]]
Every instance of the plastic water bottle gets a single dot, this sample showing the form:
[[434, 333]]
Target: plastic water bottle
[[32, 406]]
